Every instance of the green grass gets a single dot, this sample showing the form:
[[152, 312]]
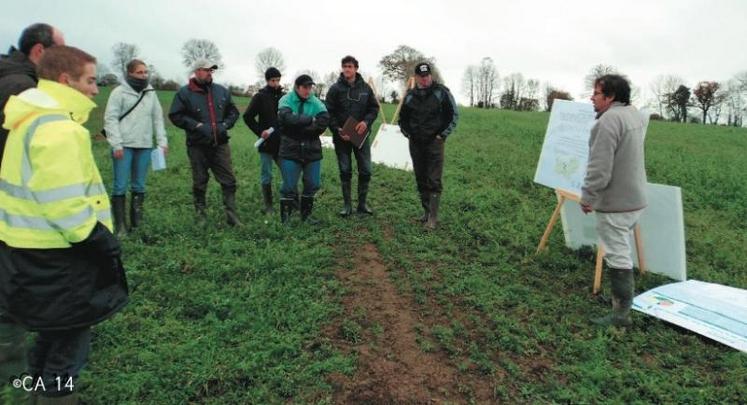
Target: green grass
[[223, 315]]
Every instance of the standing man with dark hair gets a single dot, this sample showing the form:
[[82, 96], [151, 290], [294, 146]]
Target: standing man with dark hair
[[302, 117], [205, 111], [429, 115], [352, 97], [18, 73], [615, 187], [18, 68], [265, 105], [60, 265]]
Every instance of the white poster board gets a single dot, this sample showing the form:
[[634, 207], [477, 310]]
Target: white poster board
[[712, 310], [662, 231], [391, 148], [565, 151], [327, 141]]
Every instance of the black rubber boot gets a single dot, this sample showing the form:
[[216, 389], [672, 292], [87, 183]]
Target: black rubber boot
[[118, 211], [229, 204], [267, 196], [362, 196], [623, 283], [200, 208], [432, 221], [425, 202], [136, 209], [307, 205], [286, 209], [347, 205]]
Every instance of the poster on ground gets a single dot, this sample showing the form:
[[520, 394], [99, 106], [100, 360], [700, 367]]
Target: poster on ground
[[391, 148], [662, 230], [716, 311]]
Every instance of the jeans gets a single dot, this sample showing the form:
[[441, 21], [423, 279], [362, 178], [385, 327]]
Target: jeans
[[344, 151], [428, 165], [291, 170], [266, 162], [60, 354], [131, 168]]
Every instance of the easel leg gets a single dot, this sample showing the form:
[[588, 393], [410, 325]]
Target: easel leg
[[550, 225], [598, 270], [639, 248]]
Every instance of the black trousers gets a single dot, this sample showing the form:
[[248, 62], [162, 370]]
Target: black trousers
[[428, 165], [216, 159]]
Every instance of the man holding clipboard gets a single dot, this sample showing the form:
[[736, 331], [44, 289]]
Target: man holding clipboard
[[352, 108]]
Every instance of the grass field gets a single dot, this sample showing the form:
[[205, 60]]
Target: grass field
[[375, 310]]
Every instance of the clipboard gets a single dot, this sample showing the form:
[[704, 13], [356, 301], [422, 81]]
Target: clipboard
[[348, 129]]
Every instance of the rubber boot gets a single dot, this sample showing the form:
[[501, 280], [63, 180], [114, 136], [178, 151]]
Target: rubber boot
[[136, 209], [425, 202], [622, 286], [286, 209], [229, 204], [12, 350], [347, 205], [307, 205], [118, 211], [362, 196], [200, 208], [267, 196], [432, 221]]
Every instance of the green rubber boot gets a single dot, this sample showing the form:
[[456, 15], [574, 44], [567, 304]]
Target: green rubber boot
[[622, 283]]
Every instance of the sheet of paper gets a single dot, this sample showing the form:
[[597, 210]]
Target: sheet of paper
[[157, 159]]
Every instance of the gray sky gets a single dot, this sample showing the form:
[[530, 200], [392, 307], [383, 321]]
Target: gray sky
[[553, 41]]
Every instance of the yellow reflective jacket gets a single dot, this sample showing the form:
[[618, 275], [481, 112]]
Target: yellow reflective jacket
[[51, 193]]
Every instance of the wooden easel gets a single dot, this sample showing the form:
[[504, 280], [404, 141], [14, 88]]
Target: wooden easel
[[564, 196], [376, 96], [410, 84]]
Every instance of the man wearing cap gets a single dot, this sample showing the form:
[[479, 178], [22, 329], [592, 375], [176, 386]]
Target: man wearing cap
[[264, 105], [429, 115], [302, 118], [205, 111], [352, 97]]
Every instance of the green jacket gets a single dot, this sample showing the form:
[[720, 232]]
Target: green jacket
[[301, 122]]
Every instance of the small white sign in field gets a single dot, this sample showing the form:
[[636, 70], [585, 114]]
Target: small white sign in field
[[391, 148]]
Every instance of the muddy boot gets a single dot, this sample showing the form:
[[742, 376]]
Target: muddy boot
[[136, 209], [307, 205], [622, 282], [229, 204], [432, 220], [425, 202], [347, 205], [286, 209], [267, 197], [200, 208], [362, 196], [118, 211]]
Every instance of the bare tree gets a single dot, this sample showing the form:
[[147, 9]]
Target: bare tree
[[267, 58], [399, 65], [513, 91], [156, 80], [487, 83], [596, 72], [201, 48], [123, 54], [469, 83], [662, 87], [706, 96], [734, 101], [552, 94]]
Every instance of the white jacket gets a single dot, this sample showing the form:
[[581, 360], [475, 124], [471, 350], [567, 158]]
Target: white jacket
[[136, 129]]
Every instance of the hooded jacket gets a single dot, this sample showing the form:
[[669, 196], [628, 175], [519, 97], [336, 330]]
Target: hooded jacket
[[355, 100], [264, 105], [136, 130], [428, 112], [60, 265], [17, 73], [210, 105]]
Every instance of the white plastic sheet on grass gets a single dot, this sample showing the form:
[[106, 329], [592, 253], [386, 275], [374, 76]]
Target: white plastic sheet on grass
[[712, 310], [391, 148], [662, 231]]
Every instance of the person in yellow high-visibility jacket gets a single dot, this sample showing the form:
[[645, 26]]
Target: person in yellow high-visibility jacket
[[60, 266]]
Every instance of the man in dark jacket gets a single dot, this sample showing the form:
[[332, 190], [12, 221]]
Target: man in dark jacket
[[18, 73], [264, 105], [302, 118], [429, 115], [205, 111], [18, 68], [352, 97]]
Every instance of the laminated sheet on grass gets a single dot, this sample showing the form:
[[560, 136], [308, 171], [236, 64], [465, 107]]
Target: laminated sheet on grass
[[716, 311], [327, 142], [390, 148], [662, 231]]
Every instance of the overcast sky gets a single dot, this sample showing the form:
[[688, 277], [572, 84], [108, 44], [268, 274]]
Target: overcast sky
[[553, 41]]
